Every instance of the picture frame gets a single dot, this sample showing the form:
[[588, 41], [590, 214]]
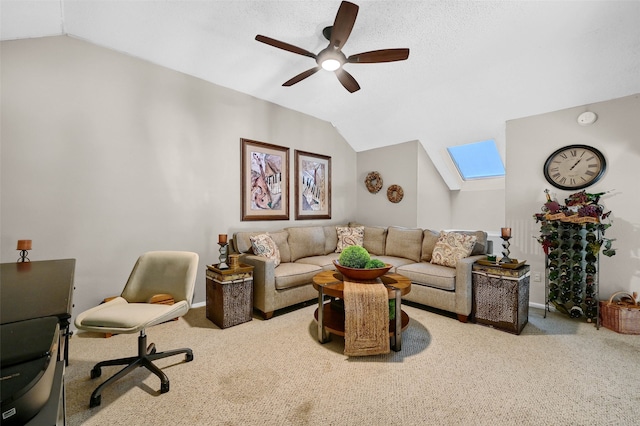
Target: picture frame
[[312, 186], [265, 181]]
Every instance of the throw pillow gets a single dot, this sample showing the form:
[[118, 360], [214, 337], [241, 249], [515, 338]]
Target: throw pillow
[[481, 241], [348, 236], [263, 245], [451, 247]]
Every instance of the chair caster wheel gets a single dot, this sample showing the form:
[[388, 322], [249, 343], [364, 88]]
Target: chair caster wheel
[[95, 401], [164, 387], [96, 372], [188, 357]]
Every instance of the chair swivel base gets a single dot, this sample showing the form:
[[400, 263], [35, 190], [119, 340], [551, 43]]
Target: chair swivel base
[[144, 359]]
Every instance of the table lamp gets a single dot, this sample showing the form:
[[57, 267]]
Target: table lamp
[[24, 246]]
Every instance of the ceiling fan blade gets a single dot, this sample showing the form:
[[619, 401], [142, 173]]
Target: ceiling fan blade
[[347, 80], [343, 24], [284, 46], [301, 76], [384, 55]]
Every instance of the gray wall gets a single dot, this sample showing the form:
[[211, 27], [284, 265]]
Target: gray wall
[[397, 166], [616, 133], [481, 209], [105, 157], [428, 202]]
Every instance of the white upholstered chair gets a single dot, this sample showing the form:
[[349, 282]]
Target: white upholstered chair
[[156, 272]]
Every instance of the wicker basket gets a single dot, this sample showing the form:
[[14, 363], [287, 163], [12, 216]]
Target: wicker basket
[[621, 316]]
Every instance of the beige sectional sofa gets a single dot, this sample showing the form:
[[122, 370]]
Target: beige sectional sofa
[[306, 250]]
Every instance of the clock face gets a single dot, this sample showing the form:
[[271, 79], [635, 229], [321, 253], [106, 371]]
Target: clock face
[[574, 167]]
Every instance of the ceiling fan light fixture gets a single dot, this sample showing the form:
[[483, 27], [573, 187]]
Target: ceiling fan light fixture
[[331, 64], [331, 59]]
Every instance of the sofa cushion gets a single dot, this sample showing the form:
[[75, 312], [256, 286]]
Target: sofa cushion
[[374, 239], [429, 240], [306, 241], [294, 274], [330, 239], [349, 236], [393, 261], [404, 242], [281, 240], [264, 246], [324, 261], [451, 247], [481, 241], [429, 274], [242, 242]]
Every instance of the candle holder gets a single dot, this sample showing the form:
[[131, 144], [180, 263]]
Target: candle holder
[[234, 261], [223, 256], [505, 252]]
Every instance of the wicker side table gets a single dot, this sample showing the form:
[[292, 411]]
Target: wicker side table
[[501, 297], [229, 295]]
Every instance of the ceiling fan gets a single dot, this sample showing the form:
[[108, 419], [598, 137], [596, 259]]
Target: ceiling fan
[[331, 58]]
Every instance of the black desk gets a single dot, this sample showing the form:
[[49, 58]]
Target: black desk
[[41, 289], [38, 289]]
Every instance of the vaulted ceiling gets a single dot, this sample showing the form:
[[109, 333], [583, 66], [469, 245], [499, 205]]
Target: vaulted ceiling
[[473, 65]]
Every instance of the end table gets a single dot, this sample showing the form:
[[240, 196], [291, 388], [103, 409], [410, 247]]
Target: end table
[[229, 295], [501, 297]]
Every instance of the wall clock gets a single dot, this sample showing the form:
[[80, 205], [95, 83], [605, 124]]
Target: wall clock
[[574, 167]]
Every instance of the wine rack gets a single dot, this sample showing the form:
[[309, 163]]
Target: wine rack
[[572, 270]]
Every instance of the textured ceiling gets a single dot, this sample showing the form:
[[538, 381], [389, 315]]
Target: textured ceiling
[[473, 64]]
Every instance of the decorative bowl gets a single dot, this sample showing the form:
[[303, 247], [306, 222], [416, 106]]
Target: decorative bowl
[[362, 274]]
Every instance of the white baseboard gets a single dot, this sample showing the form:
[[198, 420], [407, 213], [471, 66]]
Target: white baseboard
[[542, 306], [532, 305]]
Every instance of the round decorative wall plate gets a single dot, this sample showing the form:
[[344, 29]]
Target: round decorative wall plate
[[373, 181], [395, 193]]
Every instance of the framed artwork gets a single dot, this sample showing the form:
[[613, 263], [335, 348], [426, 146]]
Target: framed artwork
[[265, 181], [313, 186]]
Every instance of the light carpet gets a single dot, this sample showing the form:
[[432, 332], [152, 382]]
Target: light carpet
[[558, 371]]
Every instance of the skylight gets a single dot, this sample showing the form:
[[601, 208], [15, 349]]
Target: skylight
[[478, 160]]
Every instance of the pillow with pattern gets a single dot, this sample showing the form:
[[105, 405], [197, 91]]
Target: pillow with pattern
[[451, 247], [349, 236], [263, 245]]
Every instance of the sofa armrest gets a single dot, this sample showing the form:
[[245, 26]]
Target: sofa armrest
[[464, 283], [264, 281]]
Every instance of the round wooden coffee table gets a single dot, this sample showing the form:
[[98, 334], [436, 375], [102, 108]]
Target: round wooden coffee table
[[331, 320]]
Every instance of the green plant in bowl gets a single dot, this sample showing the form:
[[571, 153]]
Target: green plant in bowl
[[354, 257], [374, 263], [356, 263]]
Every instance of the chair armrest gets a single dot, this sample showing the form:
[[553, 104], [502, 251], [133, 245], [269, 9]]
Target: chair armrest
[[163, 298]]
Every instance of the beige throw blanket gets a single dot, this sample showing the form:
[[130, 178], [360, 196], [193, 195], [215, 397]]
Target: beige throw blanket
[[366, 312]]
